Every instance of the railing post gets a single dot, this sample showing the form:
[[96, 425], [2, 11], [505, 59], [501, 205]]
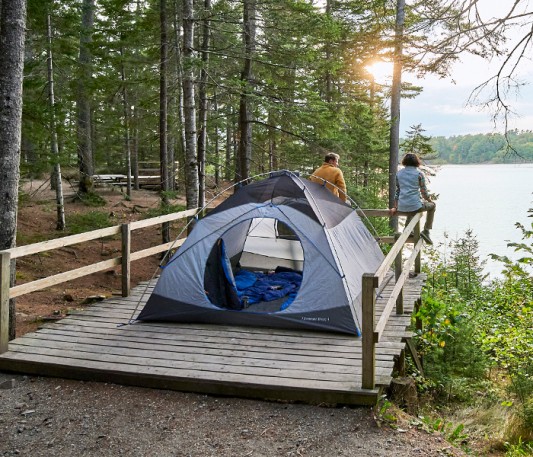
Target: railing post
[[5, 282], [126, 258], [368, 343], [398, 263], [418, 260]]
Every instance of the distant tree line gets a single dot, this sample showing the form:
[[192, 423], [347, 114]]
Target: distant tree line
[[516, 147]]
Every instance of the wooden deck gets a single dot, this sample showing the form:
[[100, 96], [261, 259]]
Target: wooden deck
[[227, 360]]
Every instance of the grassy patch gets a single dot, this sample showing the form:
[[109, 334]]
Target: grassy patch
[[93, 220], [92, 199]]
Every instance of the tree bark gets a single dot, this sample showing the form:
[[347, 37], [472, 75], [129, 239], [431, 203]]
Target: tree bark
[[189, 110], [245, 114], [178, 101], [396, 89], [204, 104], [54, 149], [229, 144], [12, 36], [126, 113], [163, 116], [85, 149]]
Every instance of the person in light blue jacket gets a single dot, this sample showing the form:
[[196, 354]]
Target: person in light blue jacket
[[412, 196]]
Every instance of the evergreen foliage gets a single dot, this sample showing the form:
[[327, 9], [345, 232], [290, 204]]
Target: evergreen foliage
[[310, 91], [516, 147]]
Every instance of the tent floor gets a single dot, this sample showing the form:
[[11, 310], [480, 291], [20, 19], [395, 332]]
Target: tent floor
[[264, 363]]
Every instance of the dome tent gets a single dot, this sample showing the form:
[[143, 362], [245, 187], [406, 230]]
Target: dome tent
[[281, 223]]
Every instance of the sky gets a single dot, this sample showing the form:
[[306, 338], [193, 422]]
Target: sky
[[443, 109]]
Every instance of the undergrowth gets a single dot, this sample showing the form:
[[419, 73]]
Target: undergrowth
[[93, 220], [476, 344]]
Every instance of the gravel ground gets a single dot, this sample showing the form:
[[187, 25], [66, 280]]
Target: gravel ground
[[58, 417]]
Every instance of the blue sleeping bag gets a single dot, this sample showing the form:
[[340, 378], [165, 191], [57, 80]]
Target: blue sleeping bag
[[256, 287]]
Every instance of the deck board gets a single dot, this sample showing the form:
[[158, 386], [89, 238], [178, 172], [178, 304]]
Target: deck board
[[99, 344]]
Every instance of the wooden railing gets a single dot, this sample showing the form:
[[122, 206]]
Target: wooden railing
[[125, 259], [372, 332]]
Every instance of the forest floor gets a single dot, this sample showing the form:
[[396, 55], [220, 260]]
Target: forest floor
[[57, 417]]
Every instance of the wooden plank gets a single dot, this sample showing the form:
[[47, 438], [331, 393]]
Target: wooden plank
[[396, 291], [369, 350], [165, 346], [383, 269], [161, 219], [43, 246], [211, 369], [226, 386], [373, 212], [397, 275], [166, 338], [310, 367], [156, 249], [414, 355], [63, 277], [126, 258], [5, 282], [277, 343]]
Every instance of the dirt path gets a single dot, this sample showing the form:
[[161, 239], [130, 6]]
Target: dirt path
[[62, 418]]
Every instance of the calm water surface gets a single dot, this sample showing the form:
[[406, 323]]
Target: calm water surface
[[489, 200]]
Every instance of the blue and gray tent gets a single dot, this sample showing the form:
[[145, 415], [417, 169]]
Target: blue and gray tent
[[281, 252]]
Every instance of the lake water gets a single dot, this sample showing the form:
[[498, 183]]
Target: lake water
[[489, 200]]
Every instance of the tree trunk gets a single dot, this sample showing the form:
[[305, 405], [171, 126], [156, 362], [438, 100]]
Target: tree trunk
[[135, 148], [245, 115], [12, 35], [163, 116], [396, 89], [329, 77], [203, 108], [85, 152], [56, 175], [229, 144], [272, 142], [189, 110], [178, 101], [125, 107], [217, 142]]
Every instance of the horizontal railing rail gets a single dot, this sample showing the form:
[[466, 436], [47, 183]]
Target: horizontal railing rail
[[124, 260]]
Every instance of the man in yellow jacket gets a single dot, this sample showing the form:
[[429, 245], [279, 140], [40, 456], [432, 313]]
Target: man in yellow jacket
[[330, 174]]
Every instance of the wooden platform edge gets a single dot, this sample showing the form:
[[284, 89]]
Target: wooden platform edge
[[197, 386]]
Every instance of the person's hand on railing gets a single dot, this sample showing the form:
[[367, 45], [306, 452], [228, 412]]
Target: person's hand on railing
[[393, 211]]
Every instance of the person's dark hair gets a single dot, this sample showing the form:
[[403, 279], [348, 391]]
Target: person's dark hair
[[331, 156], [411, 160]]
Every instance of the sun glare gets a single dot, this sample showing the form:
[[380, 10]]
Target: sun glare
[[380, 70]]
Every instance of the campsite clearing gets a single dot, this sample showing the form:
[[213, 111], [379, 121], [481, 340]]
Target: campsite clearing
[[52, 416]]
